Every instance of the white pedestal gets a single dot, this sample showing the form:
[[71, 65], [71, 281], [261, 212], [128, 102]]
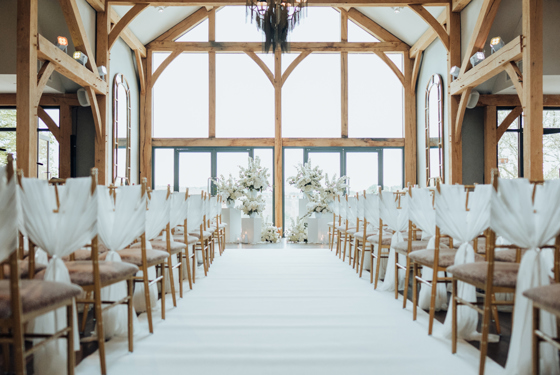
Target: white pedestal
[[303, 206], [252, 227], [318, 229], [232, 217]]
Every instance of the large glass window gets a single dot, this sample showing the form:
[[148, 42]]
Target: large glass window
[[234, 25], [163, 168], [7, 134], [375, 97], [362, 169], [509, 147], [243, 110], [181, 97], [292, 196], [319, 24], [551, 144], [311, 98]]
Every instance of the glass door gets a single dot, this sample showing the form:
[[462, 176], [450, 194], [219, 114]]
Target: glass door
[[363, 170], [193, 169]]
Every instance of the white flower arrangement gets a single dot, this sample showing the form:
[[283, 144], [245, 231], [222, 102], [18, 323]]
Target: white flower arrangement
[[254, 177], [252, 205], [307, 179], [228, 189], [297, 231], [333, 187], [317, 205], [269, 233]]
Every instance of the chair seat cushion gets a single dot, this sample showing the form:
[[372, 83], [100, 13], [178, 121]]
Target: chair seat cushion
[[222, 225], [133, 255], [402, 247], [342, 228], [176, 247], [385, 241], [505, 273], [81, 272], [330, 224], [509, 255], [360, 235], [547, 296], [205, 234], [36, 295], [446, 257], [23, 269], [191, 239]]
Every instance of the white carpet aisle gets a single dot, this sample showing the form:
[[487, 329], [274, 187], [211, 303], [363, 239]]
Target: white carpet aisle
[[288, 311]]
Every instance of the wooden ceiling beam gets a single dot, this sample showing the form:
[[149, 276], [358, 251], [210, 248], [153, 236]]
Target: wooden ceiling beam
[[428, 37], [371, 26], [433, 22], [141, 75], [43, 77], [78, 32], [69, 67], [269, 142], [125, 21], [98, 5], [481, 31], [166, 46], [461, 113], [459, 5], [516, 78], [128, 36], [323, 3], [47, 100], [494, 64], [513, 101], [184, 26]]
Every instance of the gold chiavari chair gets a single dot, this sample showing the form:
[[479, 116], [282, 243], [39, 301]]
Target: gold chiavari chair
[[190, 241], [335, 223], [174, 249], [205, 240], [93, 275], [144, 258], [21, 301]]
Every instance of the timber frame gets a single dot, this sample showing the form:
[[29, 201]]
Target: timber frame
[[32, 47], [388, 43]]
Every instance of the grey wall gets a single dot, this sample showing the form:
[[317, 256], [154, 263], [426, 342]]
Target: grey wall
[[8, 32], [434, 62], [473, 146], [84, 129]]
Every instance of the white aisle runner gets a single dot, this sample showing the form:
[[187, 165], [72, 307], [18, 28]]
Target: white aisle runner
[[286, 311]]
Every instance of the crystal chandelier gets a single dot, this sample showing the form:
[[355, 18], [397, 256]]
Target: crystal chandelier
[[276, 18]]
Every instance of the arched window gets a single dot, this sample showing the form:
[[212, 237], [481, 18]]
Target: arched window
[[434, 129], [121, 129]]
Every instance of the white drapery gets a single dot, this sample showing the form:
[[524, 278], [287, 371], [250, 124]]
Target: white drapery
[[422, 214], [157, 217], [59, 234], [371, 213], [528, 225], [178, 211], [397, 220], [454, 220], [119, 224], [9, 215]]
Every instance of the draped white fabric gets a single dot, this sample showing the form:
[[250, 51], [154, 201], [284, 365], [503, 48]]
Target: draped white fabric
[[342, 207], [529, 225], [59, 234], [9, 215], [422, 214], [119, 224], [454, 220], [179, 210], [397, 220], [195, 212], [351, 211], [360, 207]]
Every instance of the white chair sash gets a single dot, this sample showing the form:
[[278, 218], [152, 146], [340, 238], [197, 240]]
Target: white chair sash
[[528, 225], [157, 215], [9, 215], [397, 220], [454, 220], [59, 234], [422, 214], [195, 213], [371, 210]]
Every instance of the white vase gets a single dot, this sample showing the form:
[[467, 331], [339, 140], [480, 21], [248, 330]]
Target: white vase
[[253, 214], [318, 215], [230, 203], [252, 193]]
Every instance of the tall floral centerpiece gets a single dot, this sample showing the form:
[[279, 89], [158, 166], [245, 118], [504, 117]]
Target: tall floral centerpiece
[[229, 190], [253, 180]]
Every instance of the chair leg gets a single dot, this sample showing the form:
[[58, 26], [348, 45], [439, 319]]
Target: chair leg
[[433, 302], [536, 349], [396, 276], [378, 266], [454, 317], [171, 281], [19, 350], [85, 313], [345, 241], [339, 245], [6, 351], [414, 290], [188, 266], [100, 330], [194, 265], [162, 269], [130, 306], [495, 314], [406, 281], [180, 268], [70, 361], [485, 330], [372, 256], [362, 259], [147, 298]]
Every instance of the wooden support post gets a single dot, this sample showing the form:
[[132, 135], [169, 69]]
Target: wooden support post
[[146, 124], [455, 146], [212, 76], [490, 142], [64, 145], [533, 89], [344, 74], [409, 122], [103, 160], [26, 100], [278, 179]]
